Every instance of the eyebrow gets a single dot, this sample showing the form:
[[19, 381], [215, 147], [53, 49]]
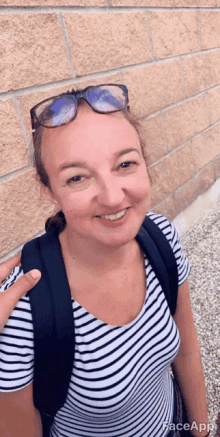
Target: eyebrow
[[83, 164]]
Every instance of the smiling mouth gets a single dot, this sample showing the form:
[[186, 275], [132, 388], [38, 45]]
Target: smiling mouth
[[116, 216]]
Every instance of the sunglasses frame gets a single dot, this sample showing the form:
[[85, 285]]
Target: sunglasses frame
[[79, 96]]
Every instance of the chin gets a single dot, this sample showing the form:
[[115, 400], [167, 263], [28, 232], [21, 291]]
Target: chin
[[119, 240]]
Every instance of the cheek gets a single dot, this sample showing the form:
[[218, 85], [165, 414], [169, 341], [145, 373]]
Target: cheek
[[75, 204], [141, 188]]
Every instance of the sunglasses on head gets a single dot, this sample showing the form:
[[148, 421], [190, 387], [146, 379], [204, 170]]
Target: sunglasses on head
[[59, 110]]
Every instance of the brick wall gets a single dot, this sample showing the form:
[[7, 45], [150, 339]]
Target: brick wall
[[168, 54]]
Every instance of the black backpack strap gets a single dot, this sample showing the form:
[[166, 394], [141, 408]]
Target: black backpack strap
[[159, 252], [54, 338]]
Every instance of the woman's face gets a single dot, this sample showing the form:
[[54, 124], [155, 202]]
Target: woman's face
[[96, 170]]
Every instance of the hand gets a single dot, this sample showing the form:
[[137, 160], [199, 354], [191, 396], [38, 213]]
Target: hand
[[10, 297]]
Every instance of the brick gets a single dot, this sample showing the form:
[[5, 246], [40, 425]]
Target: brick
[[170, 173], [195, 3], [210, 23], [27, 101], [53, 3], [153, 136], [151, 89], [141, 3], [166, 208], [189, 192], [206, 146], [13, 149], [24, 211], [173, 32], [185, 120], [201, 72], [99, 42], [217, 168], [214, 104], [28, 53]]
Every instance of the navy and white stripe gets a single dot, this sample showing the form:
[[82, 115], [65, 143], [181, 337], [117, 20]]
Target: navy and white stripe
[[120, 384]]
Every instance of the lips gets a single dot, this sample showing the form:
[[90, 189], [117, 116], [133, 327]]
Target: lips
[[113, 216]]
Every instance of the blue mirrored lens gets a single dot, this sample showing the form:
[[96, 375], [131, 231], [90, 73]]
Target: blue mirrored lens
[[106, 99], [56, 112]]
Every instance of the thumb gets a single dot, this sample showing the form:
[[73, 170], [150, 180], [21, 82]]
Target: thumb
[[10, 297], [35, 274]]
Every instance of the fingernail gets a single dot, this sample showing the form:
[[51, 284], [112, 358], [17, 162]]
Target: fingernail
[[35, 274]]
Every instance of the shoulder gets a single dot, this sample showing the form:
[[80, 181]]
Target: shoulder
[[170, 232], [165, 225]]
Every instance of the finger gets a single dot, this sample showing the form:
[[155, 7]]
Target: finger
[[7, 266], [10, 297]]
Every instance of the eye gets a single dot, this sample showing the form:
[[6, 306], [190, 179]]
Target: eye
[[128, 164], [75, 179]]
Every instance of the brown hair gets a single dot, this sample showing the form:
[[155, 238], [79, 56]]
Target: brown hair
[[57, 223]]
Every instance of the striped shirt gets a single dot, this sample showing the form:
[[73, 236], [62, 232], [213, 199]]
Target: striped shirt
[[120, 384]]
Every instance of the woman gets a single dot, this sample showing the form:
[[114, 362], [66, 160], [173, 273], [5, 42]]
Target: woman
[[91, 162]]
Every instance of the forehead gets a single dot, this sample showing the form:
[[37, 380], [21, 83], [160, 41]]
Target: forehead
[[90, 136]]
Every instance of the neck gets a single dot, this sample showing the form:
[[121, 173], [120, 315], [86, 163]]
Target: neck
[[96, 257]]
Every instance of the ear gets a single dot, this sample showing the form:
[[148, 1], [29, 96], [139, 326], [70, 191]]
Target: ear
[[46, 192]]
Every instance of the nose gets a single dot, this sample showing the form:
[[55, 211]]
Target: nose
[[111, 193]]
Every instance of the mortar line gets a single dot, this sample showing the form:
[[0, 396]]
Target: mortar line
[[183, 144], [17, 249], [164, 131], [48, 86], [170, 152], [181, 186], [176, 104], [11, 253], [161, 201], [215, 169], [199, 29], [207, 107], [53, 85], [185, 235], [107, 3], [214, 172], [23, 129], [121, 76], [96, 9], [151, 115], [51, 9], [193, 156], [186, 182], [196, 174], [182, 76], [60, 17], [150, 37], [15, 173], [161, 9]]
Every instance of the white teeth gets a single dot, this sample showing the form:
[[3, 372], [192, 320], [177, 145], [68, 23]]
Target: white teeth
[[114, 216]]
